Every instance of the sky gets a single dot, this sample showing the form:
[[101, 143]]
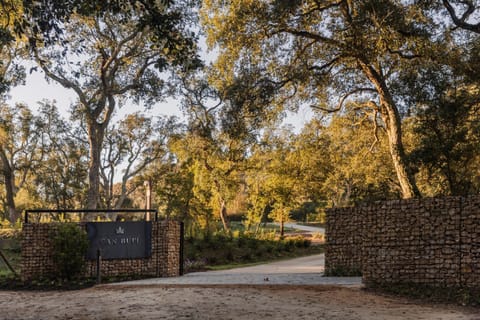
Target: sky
[[37, 89]]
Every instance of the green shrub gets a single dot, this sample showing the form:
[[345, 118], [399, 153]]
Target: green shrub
[[242, 241], [10, 233], [241, 248], [70, 244]]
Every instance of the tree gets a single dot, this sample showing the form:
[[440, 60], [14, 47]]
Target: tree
[[20, 151], [324, 53], [447, 147], [60, 180], [137, 142], [360, 166], [11, 72], [275, 178], [313, 145], [105, 58], [217, 154], [445, 127], [174, 191]]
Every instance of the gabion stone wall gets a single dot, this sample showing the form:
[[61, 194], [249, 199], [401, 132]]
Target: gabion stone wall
[[37, 251], [344, 232], [434, 241]]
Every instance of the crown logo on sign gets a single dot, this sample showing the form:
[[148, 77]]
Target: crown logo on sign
[[119, 230]]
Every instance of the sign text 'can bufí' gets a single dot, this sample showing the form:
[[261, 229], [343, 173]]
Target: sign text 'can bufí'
[[119, 240]]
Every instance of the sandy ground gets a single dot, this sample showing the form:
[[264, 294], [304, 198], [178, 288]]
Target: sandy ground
[[220, 302]]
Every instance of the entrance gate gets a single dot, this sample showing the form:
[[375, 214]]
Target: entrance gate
[[141, 247]]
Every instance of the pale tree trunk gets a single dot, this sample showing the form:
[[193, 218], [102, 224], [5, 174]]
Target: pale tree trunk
[[223, 216], [391, 117], [119, 202], [223, 206], [397, 153]]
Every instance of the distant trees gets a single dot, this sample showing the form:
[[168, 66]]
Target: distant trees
[[42, 160], [60, 180], [280, 178], [134, 144], [20, 151], [330, 164]]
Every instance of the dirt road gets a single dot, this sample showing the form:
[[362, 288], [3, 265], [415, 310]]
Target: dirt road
[[293, 289], [220, 302]]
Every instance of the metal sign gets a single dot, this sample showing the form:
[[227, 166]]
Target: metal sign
[[119, 240]]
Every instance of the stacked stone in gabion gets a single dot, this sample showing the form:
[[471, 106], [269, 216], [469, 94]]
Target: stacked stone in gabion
[[433, 241]]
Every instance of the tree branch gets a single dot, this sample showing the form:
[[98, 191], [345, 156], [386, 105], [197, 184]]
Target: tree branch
[[402, 54], [322, 7], [310, 35], [60, 79], [461, 22], [342, 100], [375, 131]]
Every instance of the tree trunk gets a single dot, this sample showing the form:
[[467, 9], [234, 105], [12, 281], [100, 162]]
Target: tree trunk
[[123, 195], [405, 178], [282, 228], [391, 118], [95, 137], [9, 181], [10, 196], [223, 216]]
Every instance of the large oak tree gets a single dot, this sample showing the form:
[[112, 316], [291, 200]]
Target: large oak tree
[[111, 58], [324, 53]]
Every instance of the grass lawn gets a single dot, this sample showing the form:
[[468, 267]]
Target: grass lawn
[[284, 256], [13, 257], [10, 248]]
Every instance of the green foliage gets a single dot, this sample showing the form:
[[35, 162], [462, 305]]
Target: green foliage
[[220, 249], [447, 141], [12, 252], [320, 55], [306, 212], [365, 66], [70, 244]]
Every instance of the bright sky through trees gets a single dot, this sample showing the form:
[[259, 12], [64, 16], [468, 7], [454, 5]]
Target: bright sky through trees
[[37, 89]]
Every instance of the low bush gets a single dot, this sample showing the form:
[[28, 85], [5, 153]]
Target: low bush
[[10, 233], [70, 244]]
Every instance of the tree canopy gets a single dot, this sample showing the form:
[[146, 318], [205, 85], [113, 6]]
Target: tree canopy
[[394, 86]]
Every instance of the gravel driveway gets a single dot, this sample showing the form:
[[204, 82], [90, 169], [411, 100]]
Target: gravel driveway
[[299, 271], [293, 289]]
